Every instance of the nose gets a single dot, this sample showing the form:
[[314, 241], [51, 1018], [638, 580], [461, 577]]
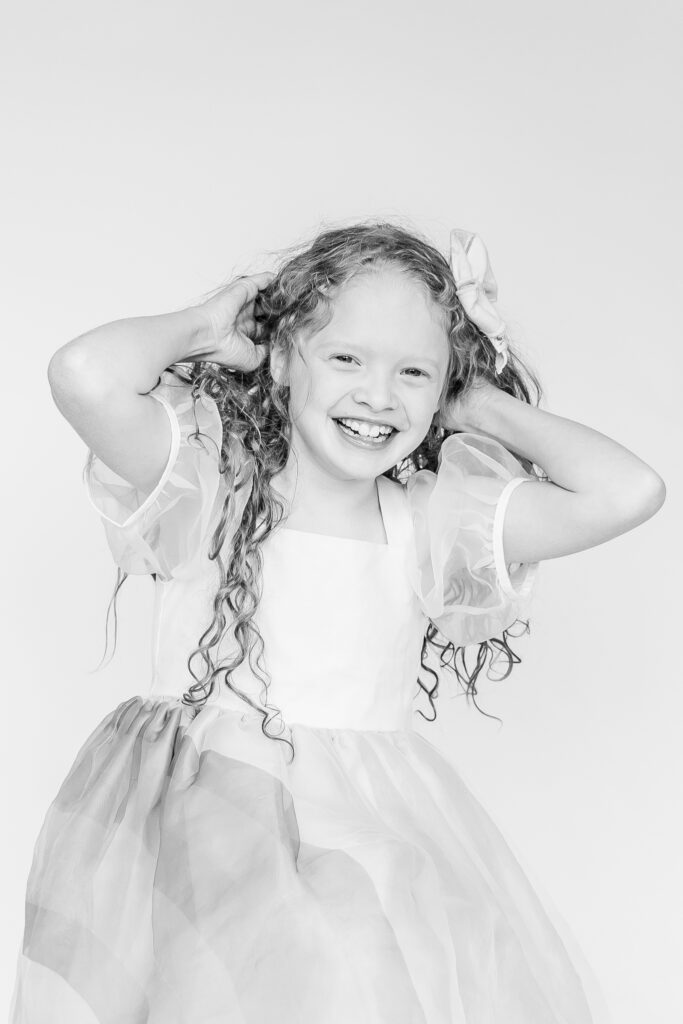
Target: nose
[[376, 392]]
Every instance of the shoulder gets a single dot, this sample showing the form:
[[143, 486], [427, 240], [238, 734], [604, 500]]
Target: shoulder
[[393, 499]]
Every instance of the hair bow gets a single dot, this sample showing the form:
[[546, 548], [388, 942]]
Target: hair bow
[[477, 289]]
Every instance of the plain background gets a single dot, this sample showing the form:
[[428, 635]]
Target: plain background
[[155, 149]]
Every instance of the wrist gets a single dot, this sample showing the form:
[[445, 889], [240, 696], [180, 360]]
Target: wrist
[[485, 414], [199, 332], [478, 410]]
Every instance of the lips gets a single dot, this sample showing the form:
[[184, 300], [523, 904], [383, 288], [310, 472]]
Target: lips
[[361, 437], [366, 428]]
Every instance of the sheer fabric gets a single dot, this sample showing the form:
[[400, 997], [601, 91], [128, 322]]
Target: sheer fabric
[[459, 573], [188, 874], [189, 871], [168, 530]]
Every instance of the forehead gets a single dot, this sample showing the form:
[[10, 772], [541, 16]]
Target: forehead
[[386, 309]]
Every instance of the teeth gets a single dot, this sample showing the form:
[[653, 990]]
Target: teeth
[[368, 429]]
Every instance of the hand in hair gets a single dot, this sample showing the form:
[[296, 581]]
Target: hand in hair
[[465, 411], [232, 329]]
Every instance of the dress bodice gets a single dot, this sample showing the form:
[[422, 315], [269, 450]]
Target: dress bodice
[[342, 626]]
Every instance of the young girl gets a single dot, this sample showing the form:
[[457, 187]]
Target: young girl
[[321, 470]]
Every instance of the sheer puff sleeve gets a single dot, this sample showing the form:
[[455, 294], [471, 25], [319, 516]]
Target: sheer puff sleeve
[[166, 531], [458, 567]]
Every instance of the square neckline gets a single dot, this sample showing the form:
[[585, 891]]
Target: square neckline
[[388, 516]]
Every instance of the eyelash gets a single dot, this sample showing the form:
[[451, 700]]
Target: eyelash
[[421, 372]]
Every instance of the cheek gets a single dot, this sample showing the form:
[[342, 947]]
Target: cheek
[[319, 390], [298, 394], [423, 406]]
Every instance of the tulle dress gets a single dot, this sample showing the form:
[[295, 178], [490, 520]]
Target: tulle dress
[[188, 872]]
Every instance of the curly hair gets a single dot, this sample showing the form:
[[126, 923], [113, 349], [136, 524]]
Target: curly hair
[[257, 432]]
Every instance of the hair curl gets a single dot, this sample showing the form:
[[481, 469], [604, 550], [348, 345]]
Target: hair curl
[[257, 431]]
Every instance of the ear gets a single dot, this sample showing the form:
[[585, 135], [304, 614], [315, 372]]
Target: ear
[[279, 364], [441, 412]]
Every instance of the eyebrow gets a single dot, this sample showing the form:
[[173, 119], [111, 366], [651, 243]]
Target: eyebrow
[[326, 345]]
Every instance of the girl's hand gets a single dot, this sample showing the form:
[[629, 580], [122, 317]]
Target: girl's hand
[[468, 410], [230, 324]]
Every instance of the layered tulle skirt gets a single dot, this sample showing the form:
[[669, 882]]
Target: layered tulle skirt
[[188, 873]]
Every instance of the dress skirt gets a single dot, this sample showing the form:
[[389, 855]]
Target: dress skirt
[[188, 872]]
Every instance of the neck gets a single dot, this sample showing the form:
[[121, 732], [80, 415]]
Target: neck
[[315, 496]]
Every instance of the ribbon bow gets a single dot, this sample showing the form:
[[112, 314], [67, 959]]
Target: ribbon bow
[[477, 289]]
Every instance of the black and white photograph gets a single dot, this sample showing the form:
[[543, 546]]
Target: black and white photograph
[[342, 513]]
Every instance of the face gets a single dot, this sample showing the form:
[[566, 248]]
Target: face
[[364, 389]]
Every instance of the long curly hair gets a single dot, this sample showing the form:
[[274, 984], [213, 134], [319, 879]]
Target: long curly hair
[[257, 432]]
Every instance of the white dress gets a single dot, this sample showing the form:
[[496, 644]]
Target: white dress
[[188, 872]]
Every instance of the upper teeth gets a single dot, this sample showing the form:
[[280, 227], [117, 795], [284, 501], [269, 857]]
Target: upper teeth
[[368, 429]]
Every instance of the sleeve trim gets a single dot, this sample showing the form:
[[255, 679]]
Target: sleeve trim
[[170, 462], [498, 553]]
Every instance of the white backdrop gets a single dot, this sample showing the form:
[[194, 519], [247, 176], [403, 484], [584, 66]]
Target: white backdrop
[[154, 149]]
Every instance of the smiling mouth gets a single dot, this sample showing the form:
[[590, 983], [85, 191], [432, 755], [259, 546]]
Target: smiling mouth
[[365, 433]]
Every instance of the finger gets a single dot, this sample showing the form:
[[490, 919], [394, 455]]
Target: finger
[[255, 356], [259, 331], [249, 288], [255, 282], [264, 278], [244, 321]]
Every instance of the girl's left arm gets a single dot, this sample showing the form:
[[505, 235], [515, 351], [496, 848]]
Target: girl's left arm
[[598, 489]]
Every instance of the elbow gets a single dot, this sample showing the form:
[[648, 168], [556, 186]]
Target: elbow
[[646, 500], [68, 370], [63, 361], [658, 495], [654, 494]]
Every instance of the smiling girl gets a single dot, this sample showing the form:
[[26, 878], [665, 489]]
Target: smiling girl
[[321, 470], [362, 398]]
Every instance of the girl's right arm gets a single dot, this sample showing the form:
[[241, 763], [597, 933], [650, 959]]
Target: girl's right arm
[[98, 380]]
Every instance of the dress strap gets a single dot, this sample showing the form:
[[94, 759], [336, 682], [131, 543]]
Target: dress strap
[[393, 502]]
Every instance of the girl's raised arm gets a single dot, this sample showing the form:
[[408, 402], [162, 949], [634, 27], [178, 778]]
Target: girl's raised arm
[[598, 489], [97, 382], [100, 379]]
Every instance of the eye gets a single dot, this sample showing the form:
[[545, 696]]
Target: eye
[[343, 355], [417, 370]]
